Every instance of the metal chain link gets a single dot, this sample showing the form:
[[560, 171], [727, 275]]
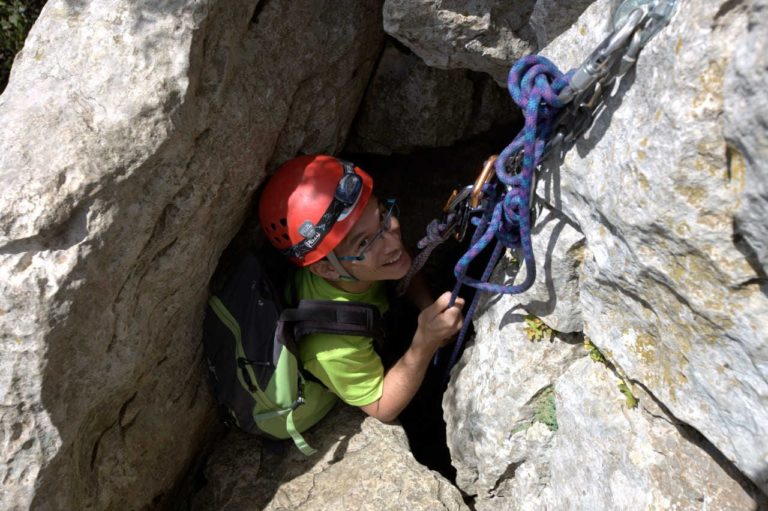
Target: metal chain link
[[634, 22]]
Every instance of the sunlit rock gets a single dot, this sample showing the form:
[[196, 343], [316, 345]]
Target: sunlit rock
[[484, 36], [672, 292], [133, 135], [361, 464]]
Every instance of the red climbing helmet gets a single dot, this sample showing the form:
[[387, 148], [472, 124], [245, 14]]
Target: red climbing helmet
[[311, 203]]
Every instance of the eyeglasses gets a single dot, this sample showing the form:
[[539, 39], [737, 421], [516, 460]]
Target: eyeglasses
[[387, 209]]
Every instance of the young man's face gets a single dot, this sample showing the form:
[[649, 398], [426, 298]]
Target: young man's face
[[385, 257]]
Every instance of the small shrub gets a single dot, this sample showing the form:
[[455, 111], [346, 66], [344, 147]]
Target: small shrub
[[536, 329], [594, 353], [631, 399]]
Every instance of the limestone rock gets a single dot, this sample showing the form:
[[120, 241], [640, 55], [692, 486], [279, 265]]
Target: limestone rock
[[668, 188], [485, 36], [132, 136], [745, 132], [558, 248], [609, 455], [410, 105], [361, 464], [674, 292], [500, 390]]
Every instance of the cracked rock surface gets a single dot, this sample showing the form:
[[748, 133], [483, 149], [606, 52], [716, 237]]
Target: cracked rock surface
[[668, 283], [133, 136], [361, 464]]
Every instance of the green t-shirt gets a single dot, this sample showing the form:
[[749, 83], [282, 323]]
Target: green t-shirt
[[346, 364]]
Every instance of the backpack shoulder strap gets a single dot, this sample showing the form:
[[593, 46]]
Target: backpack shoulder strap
[[333, 317]]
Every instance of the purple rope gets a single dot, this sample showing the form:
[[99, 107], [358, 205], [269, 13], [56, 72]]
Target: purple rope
[[437, 233], [534, 84]]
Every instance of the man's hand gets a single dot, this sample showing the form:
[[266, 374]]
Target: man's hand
[[438, 323]]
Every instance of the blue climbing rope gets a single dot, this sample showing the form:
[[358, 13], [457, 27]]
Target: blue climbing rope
[[534, 84]]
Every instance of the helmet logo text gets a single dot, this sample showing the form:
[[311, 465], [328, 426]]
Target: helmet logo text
[[311, 235]]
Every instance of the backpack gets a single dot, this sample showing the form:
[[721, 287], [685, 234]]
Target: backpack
[[250, 339]]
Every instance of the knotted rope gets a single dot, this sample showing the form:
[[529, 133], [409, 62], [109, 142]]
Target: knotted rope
[[534, 84], [437, 233]]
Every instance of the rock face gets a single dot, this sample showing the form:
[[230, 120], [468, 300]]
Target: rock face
[[133, 135], [362, 464], [674, 298], [667, 188], [484, 35], [409, 105]]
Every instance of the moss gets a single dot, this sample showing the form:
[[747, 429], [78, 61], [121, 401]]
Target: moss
[[545, 410], [631, 399], [596, 355], [594, 352]]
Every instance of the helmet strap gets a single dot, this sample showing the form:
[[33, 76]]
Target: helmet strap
[[343, 273]]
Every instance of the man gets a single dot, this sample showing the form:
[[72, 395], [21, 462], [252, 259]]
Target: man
[[321, 213]]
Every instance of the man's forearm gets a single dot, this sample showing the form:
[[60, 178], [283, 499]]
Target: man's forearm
[[401, 383], [437, 323]]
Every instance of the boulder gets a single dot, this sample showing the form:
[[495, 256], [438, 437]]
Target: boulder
[[133, 136], [674, 292], [409, 105], [668, 189], [484, 36], [500, 396], [744, 129], [612, 451], [617, 448], [362, 464]]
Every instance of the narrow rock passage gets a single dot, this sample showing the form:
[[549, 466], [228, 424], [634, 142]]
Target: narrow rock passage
[[422, 181]]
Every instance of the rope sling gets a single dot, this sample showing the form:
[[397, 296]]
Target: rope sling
[[557, 108]]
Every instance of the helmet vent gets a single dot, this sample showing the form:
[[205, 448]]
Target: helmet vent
[[283, 222], [274, 227], [286, 237]]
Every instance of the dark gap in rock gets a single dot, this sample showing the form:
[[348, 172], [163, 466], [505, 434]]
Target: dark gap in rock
[[422, 181], [180, 497], [509, 473], [257, 11], [750, 254], [397, 44], [728, 7], [359, 111]]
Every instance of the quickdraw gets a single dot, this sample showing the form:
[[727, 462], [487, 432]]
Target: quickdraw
[[558, 108]]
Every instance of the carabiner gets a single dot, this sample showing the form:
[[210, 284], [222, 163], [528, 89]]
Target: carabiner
[[482, 179], [457, 198]]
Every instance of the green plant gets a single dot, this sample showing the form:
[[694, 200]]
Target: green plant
[[545, 410], [594, 353], [16, 18], [535, 329], [631, 399]]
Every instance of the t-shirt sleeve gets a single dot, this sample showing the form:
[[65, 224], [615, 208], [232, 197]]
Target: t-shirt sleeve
[[348, 366]]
